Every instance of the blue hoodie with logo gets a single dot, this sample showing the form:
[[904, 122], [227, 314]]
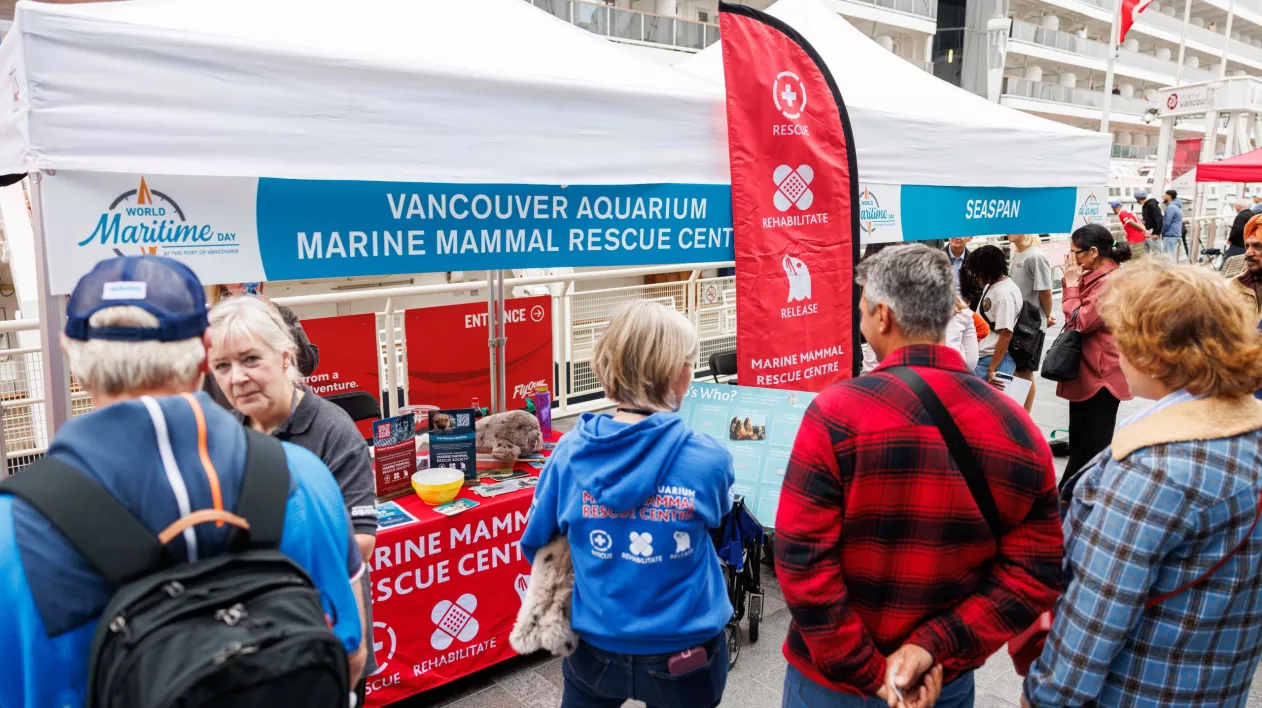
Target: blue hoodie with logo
[[636, 502]]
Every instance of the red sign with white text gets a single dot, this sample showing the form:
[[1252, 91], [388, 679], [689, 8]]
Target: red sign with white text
[[446, 591], [348, 357], [448, 362], [794, 189]]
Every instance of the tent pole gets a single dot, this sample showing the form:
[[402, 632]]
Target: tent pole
[[1108, 75], [52, 313], [501, 341], [490, 340], [1183, 42]]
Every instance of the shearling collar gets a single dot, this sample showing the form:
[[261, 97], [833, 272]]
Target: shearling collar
[[1201, 419]]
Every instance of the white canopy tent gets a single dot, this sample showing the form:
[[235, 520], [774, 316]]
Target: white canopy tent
[[416, 90], [913, 129]]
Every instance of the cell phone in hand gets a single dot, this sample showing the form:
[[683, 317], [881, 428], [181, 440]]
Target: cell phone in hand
[[687, 660]]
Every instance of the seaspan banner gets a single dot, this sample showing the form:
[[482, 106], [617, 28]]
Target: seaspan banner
[[794, 192]]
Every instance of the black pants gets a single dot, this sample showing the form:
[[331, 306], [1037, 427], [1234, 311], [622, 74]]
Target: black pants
[[1091, 424]]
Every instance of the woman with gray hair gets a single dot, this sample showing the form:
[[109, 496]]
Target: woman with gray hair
[[636, 493], [254, 360]]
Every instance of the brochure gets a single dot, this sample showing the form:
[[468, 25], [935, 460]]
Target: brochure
[[453, 441], [394, 456]]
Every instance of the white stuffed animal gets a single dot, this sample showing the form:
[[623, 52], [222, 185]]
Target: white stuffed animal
[[544, 619]]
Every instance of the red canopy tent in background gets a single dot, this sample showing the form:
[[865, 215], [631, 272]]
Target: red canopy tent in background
[[1241, 168]]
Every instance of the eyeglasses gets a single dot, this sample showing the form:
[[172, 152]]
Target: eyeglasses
[[1076, 252]]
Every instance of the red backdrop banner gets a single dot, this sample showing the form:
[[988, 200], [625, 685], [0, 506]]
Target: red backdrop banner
[[794, 188], [447, 352], [1187, 153], [348, 357]]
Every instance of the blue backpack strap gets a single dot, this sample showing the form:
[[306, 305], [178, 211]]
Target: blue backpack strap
[[264, 493], [100, 528]]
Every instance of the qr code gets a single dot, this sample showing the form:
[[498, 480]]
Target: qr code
[[463, 420]]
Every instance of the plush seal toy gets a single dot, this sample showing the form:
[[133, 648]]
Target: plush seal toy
[[507, 435], [544, 619]]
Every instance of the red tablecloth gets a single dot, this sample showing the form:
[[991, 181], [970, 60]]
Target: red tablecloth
[[446, 591]]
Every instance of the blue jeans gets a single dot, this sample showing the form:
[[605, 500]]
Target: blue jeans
[[1006, 365], [599, 679], [801, 692], [1170, 246]]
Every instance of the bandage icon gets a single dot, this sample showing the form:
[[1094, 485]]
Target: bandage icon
[[455, 621], [793, 187]]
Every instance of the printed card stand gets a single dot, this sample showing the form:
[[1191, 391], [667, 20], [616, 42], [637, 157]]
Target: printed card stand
[[394, 456], [453, 442]]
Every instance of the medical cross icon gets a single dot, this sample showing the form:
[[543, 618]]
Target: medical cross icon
[[789, 95]]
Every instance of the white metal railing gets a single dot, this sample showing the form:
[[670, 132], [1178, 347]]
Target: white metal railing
[[635, 25], [922, 64], [1024, 88], [919, 8], [1134, 152], [1064, 41]]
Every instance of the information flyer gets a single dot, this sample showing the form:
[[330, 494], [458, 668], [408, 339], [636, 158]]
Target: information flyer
[[394, 455], [758, 426]]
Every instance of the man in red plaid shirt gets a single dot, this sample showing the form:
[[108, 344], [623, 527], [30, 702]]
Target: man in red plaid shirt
[[887, 564]]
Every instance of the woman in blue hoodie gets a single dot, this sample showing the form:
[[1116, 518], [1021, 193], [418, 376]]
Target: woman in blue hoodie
[[636, 494]]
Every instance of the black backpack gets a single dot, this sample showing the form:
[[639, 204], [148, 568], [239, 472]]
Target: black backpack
[[242, 629], [1028, 336]]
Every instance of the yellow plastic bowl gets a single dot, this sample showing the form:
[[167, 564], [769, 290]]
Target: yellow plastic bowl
[[437, 486]]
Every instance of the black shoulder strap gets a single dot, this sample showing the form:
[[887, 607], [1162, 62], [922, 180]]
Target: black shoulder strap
[[960, 450], [109, 536], [264, 492]]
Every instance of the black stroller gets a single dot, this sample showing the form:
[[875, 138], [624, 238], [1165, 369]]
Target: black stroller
[[739, 541]]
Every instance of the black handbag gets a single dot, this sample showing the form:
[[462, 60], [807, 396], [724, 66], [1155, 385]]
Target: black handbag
[[1064, 359]]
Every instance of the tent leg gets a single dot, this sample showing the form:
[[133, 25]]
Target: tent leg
[[52, 313], [501, 342], [493, 370]]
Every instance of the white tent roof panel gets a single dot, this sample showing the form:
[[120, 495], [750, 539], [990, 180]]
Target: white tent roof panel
[[422, 90], [913, 128]]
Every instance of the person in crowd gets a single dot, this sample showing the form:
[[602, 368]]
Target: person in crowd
[[1249, 285], [1032, 273], [1172, 225], [961, 333], [1235, 237], [872, 499], [965, 284], [1000, 307], [1151, 212], [1136, 234], [1173, 501], [1257, 203], [647, 587], [141, 359], [1094, 396], [253, 357], [308, 353]]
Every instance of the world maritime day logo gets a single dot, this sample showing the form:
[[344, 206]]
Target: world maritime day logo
[[872, 214], [146, 221]]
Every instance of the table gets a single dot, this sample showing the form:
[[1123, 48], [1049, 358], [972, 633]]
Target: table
[[446, 591]]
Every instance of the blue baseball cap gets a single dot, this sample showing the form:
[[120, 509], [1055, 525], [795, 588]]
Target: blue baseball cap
[[1115, 203], [163, 287], [1141, 194]]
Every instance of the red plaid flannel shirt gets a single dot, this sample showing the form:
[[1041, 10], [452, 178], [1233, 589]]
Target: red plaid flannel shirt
[[879, 542]]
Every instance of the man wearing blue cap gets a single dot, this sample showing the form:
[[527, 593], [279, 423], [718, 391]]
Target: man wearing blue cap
[[136, 339]]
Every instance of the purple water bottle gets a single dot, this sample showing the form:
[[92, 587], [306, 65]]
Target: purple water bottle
[[543, 409]]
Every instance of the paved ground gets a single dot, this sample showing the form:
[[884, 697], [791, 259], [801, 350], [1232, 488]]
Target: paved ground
[[756, 682]]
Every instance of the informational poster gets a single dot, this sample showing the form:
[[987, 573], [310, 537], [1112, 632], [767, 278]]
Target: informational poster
[[795, 207], [447, 352], [348, 357], [394, 455], [453, 441], [758, 427]]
